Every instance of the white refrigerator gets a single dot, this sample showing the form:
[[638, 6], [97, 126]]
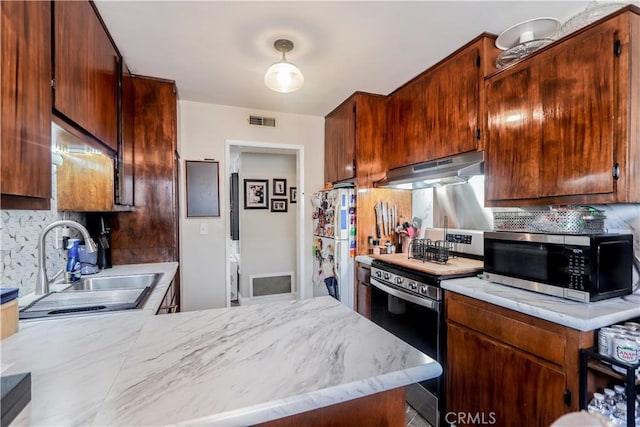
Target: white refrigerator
[[334, 244]]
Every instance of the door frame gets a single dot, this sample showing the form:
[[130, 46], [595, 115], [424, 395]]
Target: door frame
[[271, 148]]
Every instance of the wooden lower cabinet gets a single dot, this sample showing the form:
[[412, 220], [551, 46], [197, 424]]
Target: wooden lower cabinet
[[386, 408], [363, 290], [508, 368]]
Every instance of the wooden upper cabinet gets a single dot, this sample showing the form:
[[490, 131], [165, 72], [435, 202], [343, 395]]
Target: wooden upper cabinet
[[86, 66], [451, 119], [150, 232], [340, 143], [511, 166], [125, 169], [562, 124], [405, 130], [438, 114], [354, 134], [26, 104]]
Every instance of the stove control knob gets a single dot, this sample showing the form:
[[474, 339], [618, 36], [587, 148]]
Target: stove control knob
[[399, 280], [386, 276], [378, 274], [413, 286], [423, 290]]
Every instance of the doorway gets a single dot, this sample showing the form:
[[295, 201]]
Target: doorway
[[266, 262]]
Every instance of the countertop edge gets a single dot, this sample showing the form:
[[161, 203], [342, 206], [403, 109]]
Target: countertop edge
[[533, 304], [297, 404]]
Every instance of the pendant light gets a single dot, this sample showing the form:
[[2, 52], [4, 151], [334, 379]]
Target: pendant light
[[283, 76]]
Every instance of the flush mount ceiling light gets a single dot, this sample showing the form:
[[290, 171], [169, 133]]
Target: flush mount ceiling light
[[283, 76]]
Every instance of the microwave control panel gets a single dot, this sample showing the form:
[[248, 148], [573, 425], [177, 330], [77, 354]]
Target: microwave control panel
[[578, 268]]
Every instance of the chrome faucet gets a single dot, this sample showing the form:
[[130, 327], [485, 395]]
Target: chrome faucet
[[42, 281]]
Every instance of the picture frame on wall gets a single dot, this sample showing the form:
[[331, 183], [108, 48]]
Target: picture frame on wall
[[293, 194], [256, 193], [279, 187], [278, 205]]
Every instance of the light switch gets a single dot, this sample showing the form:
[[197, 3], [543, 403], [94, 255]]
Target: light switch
[[204, 228]]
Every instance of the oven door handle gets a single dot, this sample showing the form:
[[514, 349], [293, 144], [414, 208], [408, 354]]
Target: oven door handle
[[424, 302]]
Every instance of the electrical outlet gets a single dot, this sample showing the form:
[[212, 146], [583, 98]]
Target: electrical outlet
[[57, 244], [204, 228]]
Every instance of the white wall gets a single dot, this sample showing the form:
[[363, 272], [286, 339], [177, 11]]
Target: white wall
[[203, 130], [267, 239]]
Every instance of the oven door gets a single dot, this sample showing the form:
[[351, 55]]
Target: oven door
[[418, 322]]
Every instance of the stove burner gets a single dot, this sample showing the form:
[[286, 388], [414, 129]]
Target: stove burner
[[438, 251]]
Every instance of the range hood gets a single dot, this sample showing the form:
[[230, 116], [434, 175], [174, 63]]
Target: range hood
[[449, 170]]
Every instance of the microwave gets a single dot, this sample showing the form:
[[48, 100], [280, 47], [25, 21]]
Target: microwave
[[583, 268]]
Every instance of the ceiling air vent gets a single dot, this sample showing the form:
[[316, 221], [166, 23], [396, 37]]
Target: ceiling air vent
[[262, 121]]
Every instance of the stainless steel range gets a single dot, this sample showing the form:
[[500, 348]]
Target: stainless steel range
[[407, 300]]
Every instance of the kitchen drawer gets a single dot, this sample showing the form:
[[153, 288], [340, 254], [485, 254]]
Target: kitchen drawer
[[544, 339], [364, 273]]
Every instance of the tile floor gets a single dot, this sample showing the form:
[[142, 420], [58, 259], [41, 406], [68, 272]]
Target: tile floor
[[413, 419]]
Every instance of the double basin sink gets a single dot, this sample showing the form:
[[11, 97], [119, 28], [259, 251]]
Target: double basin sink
[[94, 295]]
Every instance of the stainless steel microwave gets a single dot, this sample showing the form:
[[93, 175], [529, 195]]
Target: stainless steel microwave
[[584, 268]]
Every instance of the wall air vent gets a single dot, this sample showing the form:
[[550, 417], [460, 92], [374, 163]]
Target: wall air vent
[[262, 121]]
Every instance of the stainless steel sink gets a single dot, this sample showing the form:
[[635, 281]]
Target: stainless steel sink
[[136, 281], [93, 296]]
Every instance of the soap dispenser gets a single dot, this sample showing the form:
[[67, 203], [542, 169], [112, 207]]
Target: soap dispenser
[[72, 272]]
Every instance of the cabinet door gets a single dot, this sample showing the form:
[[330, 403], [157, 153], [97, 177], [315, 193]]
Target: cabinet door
[[577, 95], [514, 126], [469, 373], [405, 128], [149, 233], [86, 71], [451, 113], [26, 104], [340, 141], [526, 391]]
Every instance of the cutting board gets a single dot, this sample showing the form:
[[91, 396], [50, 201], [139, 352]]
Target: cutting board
[[454, 266], [8, 318]]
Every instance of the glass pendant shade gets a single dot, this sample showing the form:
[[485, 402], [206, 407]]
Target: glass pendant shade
[[283, 76]]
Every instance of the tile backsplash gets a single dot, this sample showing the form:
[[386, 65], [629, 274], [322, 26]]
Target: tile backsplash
[[19, 233], [621, 218]]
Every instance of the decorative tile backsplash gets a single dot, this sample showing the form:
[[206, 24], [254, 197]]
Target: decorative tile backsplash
[[19, 237]]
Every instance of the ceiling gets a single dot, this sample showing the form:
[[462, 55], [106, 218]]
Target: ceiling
[[218, 51]]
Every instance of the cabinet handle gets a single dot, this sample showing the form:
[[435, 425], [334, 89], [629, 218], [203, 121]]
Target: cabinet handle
[[567, 397], [616, 171], [617, 48]]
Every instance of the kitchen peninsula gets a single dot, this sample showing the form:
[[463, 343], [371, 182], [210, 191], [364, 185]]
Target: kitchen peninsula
[[230, 366]]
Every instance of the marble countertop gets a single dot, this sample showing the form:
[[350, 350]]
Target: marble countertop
[[576, 315], [364, 259], [228, 366]]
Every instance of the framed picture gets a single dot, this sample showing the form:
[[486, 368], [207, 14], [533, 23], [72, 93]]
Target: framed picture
[[278, 205], [256, 193], [279, 187], [202, 188], [293, 195]]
